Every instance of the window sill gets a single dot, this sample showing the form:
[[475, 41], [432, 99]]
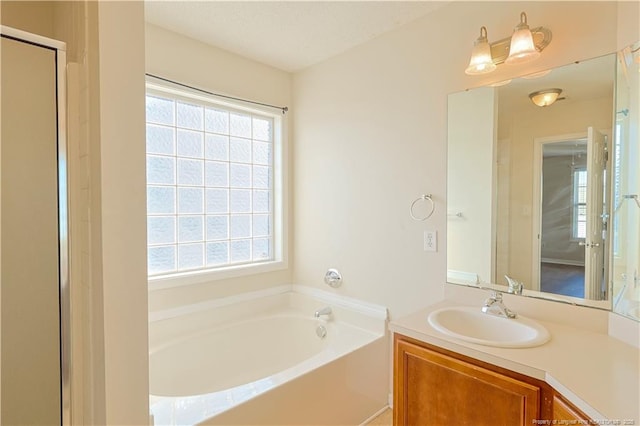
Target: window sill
[[204, 276]]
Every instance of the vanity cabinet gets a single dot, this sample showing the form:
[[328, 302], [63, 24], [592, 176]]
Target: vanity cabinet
[[434, 386]]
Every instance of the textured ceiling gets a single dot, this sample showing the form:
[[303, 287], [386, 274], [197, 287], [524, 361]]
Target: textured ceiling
[[288, 35]]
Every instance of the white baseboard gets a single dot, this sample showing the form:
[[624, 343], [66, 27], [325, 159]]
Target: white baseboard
[[377, 413], [562, 262]]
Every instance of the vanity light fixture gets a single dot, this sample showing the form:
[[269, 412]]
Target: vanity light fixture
[[522, 48], [546, 97], [524, 45], [481, 61]]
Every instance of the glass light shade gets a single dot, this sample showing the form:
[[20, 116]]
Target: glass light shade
[[481, 61], [522, 48], [546, 97]]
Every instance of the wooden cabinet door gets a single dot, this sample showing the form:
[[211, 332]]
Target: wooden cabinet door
[[563, 410], [431, 388]]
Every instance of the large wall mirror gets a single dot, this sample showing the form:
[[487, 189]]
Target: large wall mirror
[[534, 191]]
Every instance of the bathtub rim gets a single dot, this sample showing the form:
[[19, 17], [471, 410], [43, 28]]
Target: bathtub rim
[[365, 308]]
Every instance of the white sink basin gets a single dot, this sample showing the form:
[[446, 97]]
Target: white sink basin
[[472, 325]]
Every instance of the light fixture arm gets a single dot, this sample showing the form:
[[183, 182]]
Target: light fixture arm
[[483, 32], [523, 20]]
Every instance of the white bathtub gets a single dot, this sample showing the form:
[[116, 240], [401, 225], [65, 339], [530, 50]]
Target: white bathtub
[[260, 361]]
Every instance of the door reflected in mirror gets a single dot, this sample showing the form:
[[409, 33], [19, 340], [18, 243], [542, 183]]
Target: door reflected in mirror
[[571, 241], [531, 184]]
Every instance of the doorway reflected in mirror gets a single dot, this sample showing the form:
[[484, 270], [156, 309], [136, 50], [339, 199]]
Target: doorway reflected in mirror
[[567, 280]]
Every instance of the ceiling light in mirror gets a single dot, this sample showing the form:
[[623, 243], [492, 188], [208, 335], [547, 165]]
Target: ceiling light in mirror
[[546, 97]]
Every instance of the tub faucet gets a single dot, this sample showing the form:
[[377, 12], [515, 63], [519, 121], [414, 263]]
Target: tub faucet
[[323, 311], [494, 306]]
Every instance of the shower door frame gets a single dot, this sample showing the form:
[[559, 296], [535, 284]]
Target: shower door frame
[[59, 48]]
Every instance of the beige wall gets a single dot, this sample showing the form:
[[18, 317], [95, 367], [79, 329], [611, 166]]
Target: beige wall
[[122, 275], [36, 17], [188, 61], [628, 28], [471, 160], [370, 136]]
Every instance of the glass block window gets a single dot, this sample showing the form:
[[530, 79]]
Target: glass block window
[[579, 203], [210, 173]]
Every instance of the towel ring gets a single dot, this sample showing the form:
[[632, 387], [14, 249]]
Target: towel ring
[[425, 197]]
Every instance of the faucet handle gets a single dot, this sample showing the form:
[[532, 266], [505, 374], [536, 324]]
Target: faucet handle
[[494, 297], [494, 305]]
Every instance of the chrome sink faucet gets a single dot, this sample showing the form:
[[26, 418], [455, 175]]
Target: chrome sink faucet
[[515, 286], [324, 311], [494, 306]]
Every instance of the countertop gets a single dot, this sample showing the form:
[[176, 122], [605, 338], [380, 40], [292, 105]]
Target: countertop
[[596, 372]]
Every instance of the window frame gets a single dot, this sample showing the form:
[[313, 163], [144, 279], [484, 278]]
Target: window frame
[[575, 202], [279, 236]]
